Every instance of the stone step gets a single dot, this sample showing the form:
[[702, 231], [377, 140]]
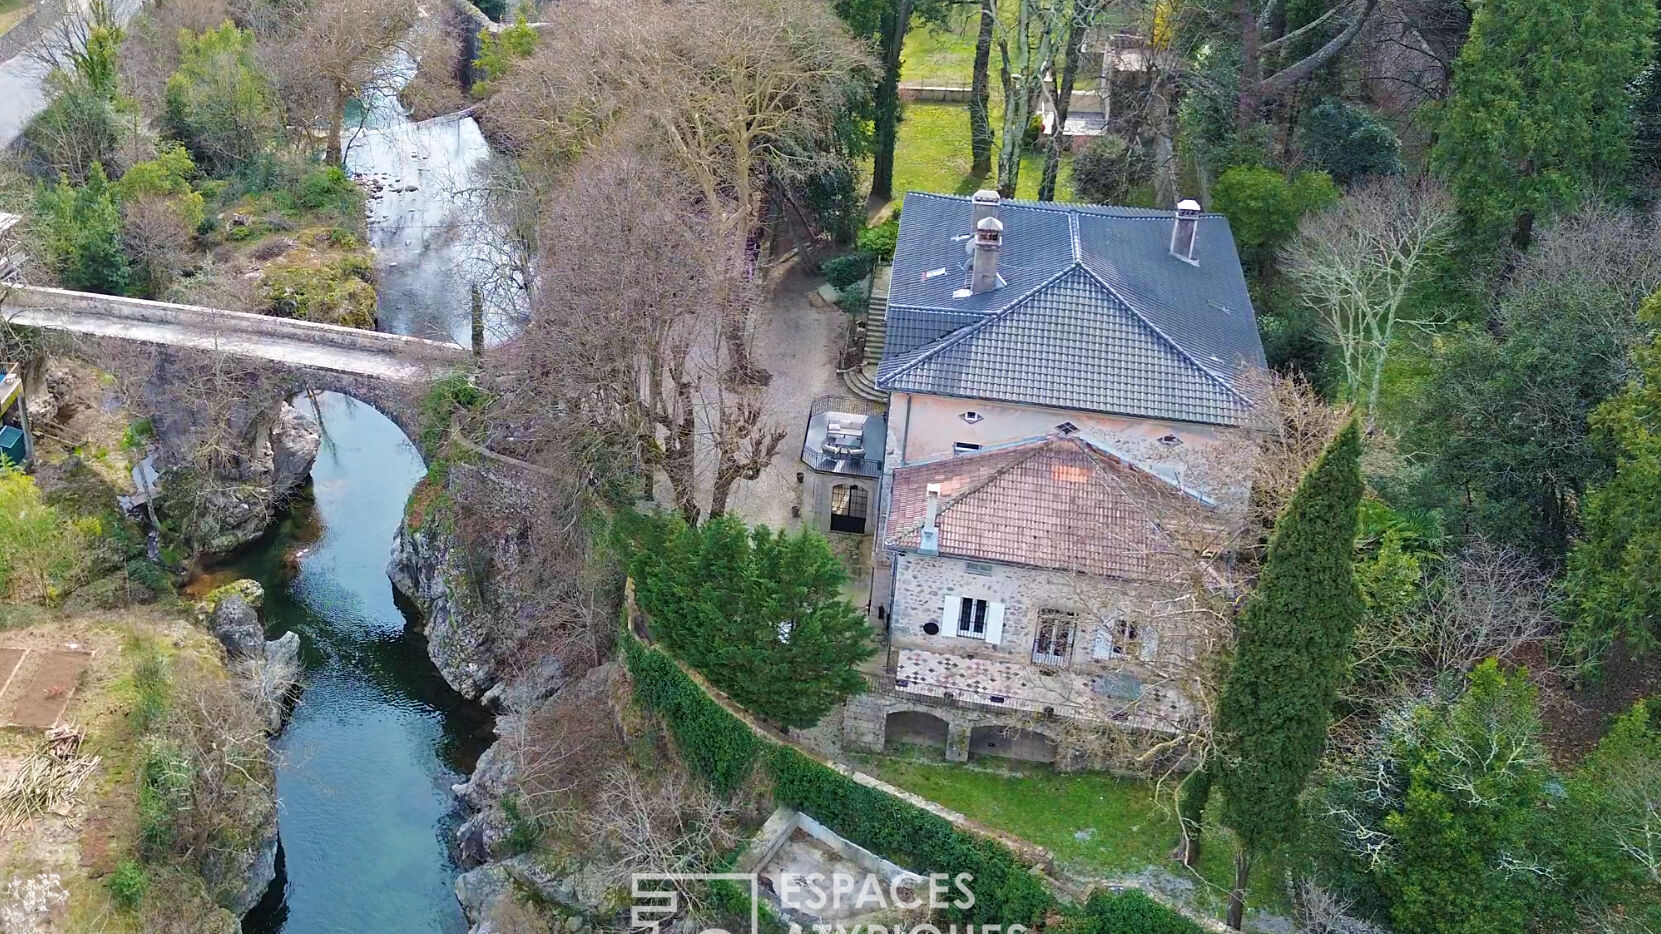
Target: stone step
[[861, 384]]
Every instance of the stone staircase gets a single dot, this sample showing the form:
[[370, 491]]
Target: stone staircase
[[862, 380]]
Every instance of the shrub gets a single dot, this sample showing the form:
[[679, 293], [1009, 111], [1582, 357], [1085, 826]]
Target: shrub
[[168, 175], [1035, 129], [218, 101], [1263, 207], [81, 227], [1107, 169], [846, 270], [80, 127], [439, 405], [1130, 912], [1349, 142], [127, 885], [329, 188], [880, 241], [41, 551], [498, 51]]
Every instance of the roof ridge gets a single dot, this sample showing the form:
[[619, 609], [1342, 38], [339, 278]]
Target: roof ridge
[[1072, 207], [1181, 350]]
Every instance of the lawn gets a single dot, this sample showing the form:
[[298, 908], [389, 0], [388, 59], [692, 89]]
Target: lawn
[[1096, 825], [933, 155]]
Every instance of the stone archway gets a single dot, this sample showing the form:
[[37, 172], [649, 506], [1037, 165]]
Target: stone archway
[[916, 728], [1012, 742]]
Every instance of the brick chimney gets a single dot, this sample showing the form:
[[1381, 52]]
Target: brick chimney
[[1185, 230], [983, 272], [986, 203], [928, 537]]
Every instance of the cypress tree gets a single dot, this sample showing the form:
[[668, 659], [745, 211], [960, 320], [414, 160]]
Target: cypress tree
[[1291, 652]]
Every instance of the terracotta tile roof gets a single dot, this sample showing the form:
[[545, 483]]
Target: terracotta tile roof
[[1053, 503]]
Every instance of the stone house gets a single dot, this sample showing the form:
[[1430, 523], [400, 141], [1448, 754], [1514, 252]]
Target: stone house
[[1067, 390]]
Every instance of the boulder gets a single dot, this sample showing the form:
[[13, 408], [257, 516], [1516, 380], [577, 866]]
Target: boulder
[[248, 589], [295, 441], [237, 627]]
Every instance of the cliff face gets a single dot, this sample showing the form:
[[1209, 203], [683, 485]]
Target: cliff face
[[236, 512], [426, 571]]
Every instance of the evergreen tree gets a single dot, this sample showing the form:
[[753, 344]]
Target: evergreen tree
[[1540, 109], [1613, 569], [1292, 650], [759, 612], [82, 233]]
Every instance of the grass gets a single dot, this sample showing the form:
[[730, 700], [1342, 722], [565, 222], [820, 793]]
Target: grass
[[13, 12], [1096, 825], [932, 154]]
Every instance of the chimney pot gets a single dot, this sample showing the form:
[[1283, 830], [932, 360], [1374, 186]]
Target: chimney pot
[[928, 537], [983, 273], [1185, 230], [986, 203]]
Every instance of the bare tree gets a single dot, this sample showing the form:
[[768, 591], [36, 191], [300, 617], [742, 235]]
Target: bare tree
[[1026, 54], [1357, 263], [1491, 602], [1259, 85]]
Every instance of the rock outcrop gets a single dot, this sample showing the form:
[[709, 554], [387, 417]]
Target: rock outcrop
[[426, 572], [235, 511]]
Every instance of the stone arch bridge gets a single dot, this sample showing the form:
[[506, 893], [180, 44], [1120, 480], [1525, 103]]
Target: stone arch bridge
[[377, 368]]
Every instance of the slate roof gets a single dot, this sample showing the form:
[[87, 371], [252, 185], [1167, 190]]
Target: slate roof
[[1095, 314], [1052, 503]]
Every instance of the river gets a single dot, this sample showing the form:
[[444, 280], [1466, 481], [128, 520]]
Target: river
[[366, 763]]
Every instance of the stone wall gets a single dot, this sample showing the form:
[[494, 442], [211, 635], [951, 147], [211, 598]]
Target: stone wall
[[865, 727]]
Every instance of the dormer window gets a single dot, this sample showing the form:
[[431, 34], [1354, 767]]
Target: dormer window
[[1067, 428], [971, 417], [1171, 441]]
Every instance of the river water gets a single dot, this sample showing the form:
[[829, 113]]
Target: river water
[[366, 763]]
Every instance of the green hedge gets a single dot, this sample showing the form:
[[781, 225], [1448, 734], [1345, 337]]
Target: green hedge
[[723, 750], [720, 747], [1005, 891], [1129, 912]]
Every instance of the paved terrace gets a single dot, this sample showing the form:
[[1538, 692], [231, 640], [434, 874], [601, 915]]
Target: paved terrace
[[299, 344]]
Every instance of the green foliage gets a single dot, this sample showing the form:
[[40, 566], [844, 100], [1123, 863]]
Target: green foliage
[[219, 102], [495, 9], [1129, 912], [524, 831], [1263, 208], [1612, 573], [760, 613], [881, 239], [1616, 799], [163, 786], [499, 50], [716, 744], [328, 188], [834, 197], [338, 292], [168, 175], [79, 127], [152, 686], [1108, 168], [1475, 780], [127, 885], [1292, 652], [81, 229], [41, 550], [439, 405], [1540, 109], [1349, 142], [847, 270], [1005, 893]]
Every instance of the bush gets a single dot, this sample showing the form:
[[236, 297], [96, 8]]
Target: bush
[[1035, 129], [42, 552], [846, 270], [1349, 142], [498, 51], [80, 127], [218, 101], [880, 241], [127, 885], [329, 188], [81, 227], [1107, 169], [1130, 912], [439, 405]]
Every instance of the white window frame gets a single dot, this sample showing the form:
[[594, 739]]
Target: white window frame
[[1054, 619], [988, 613]]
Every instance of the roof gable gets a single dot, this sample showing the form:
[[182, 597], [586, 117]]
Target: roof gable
[[1094, 312]]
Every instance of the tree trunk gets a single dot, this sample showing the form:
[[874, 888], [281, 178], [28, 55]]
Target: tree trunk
[[1237, 897], [888, 102], [980, 95], [337, 115], [1064, 99], [1250, 67], [1193, 795]]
